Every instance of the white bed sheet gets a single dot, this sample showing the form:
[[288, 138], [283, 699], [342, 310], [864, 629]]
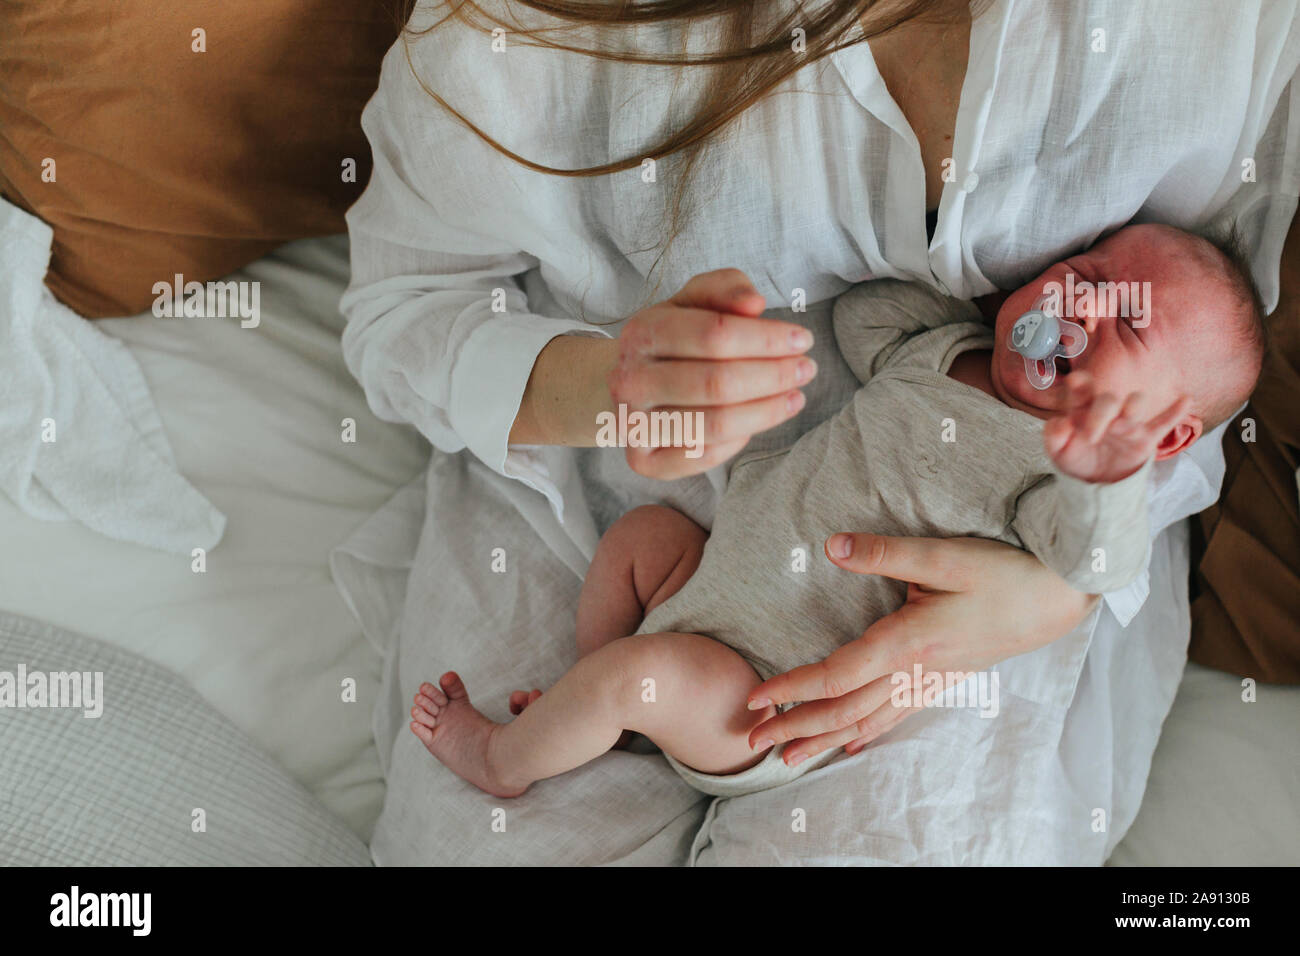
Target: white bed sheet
[[1225, 780], [254, 418]]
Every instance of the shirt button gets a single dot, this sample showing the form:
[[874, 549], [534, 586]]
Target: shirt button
[[970, 182]]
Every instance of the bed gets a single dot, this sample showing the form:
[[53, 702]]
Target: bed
[[256, 420]]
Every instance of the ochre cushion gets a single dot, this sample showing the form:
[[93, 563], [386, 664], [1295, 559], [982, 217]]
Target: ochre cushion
[[1246, 579], [167, 160]]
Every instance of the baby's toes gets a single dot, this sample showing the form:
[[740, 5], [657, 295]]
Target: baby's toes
[[424, 733], [427, 717], [453, 687], [518, 701], [433, 692], [425, 702]]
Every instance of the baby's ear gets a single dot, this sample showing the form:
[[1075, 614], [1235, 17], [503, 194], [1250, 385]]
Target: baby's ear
[[1181, 437]]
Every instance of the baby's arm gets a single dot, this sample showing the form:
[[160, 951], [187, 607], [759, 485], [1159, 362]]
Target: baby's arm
[[1088, 523], [1093, 535], [872, 319]]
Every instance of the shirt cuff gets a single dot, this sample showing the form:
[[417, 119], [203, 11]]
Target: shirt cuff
[[1125, 603], [1100, 497], [1090, 502], [489, 379]]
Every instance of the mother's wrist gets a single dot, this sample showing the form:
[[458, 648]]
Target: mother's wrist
[[565, 392], [1075, 606]]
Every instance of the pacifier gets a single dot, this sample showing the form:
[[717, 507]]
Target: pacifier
[[1040, 335]]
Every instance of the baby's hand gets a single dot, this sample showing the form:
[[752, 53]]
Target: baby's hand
[[1101, 439]]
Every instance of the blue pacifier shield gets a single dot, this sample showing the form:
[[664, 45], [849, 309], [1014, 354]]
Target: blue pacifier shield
[[1040, 335]]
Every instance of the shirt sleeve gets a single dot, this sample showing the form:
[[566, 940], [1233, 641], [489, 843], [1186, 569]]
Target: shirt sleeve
[[440, 332], [1259, 192], [1095, 536], [873, 320]]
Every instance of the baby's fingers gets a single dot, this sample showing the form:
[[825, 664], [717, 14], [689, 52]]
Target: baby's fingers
[[1100, 414], [1170, 417], [1057, 434], [1078, 391], [1133, 406]]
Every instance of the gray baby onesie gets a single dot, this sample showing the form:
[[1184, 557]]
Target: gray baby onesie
[[913, 453]]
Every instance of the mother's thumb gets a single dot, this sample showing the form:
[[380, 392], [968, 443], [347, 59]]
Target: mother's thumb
[[722, 290], [918, 560]]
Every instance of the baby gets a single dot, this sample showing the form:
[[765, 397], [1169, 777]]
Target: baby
[[942, 439]]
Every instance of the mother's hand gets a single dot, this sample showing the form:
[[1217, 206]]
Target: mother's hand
[[705, 350], [970, 603]]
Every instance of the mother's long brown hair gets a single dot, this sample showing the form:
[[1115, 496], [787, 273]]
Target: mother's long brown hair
[[749, 61]]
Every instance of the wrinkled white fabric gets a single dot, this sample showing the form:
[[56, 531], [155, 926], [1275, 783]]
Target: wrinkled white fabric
[[80, 438], [1179, 113]]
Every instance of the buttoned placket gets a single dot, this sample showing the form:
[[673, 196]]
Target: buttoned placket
[[942, 258]]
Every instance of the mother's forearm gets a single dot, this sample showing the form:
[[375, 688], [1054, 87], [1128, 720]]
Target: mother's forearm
[[565, 392]]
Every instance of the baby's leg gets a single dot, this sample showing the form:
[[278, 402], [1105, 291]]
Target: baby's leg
[[685, 692], [642, 560]]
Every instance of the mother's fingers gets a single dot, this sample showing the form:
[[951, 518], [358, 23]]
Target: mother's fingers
[[727, 422], [847, 668], [800, 750], [938, 564], [669, 463], [669, 331], [716, 432], [822, 716], [702, 384], [726, 290], [884, 718]]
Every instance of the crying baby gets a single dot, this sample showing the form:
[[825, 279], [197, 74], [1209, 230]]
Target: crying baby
[[1039, 432]]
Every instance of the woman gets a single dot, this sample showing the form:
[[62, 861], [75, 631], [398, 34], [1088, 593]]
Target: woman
[[500, 305]]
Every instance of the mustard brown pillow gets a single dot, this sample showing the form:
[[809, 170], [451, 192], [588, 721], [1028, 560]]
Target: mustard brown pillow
[[191, 138]]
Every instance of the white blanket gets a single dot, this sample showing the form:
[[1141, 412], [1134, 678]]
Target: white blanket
[[255, 417], [79, 435], [142, 771]]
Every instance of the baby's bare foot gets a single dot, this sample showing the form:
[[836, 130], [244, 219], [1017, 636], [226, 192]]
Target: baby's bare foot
[[521, 699], [458, 735]]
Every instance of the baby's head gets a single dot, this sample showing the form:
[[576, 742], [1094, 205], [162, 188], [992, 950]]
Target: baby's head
[[1167, 313]]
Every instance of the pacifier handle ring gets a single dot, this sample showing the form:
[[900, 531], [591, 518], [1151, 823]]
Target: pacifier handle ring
[[1037, 379], [1043, 301], [1077, 334]]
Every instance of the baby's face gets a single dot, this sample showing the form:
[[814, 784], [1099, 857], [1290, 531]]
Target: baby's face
[[1148, 306]]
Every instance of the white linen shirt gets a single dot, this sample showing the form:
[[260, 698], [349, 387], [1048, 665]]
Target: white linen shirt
[[1073, 120]]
